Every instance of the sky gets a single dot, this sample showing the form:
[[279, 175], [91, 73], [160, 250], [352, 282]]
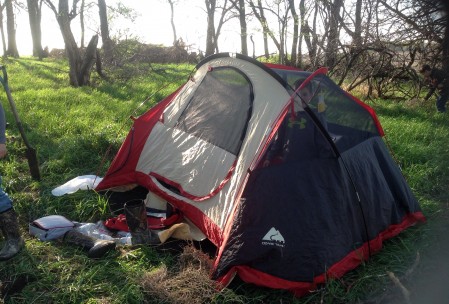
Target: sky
[[152, 25]]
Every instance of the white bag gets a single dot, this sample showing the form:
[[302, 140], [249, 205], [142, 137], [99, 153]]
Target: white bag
[[50, 227]]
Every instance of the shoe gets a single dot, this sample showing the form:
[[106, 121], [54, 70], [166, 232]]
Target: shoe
[[136, 219], [10, 229], [96, 248]]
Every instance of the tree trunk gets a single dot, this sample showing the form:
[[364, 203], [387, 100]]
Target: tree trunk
[[254, 46], [294, 59], [214, 32], [88, 61], [34, 14], [2, 30], [210, 36], [265, 31], [172, 22], [333, 34], [79, 72], [224, 11], [260, 15], [243, 27], [11, 29], [301, 35], [108, 46], [282, 21], [357, 39], [82, 23], [308, 34], [299, 61], [72, 51]]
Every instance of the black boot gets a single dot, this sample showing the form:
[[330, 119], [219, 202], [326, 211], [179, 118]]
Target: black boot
[[97, 248], [10, 229], [136, 219]]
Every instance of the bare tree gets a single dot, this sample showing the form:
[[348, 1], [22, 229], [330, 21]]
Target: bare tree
[[402, 35], [172, 20], [11, 29], [260, 15], [333, 36], [239, 6], [357, 34], [428, 20], [352, 15], [2, 30], [108, 45], [377, 42], [308, 33], [80, 68], [281, 15], [210, 34], [35, 16], [346, 18], [213, 32], [82, 22], [295, 41], [82, 10], [445, 42]]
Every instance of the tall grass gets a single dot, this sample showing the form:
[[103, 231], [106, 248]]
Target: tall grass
[[74, 128]]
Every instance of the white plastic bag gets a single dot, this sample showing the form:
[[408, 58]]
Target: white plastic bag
[[100, 231], [84, 182]]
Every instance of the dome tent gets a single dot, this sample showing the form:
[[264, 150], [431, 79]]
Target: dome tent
[[295, 222]]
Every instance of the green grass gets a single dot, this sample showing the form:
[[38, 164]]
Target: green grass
[[74, 128]]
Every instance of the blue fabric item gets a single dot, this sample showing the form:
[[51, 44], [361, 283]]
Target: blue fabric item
[[5, 201], [2, 125], [442, 100]]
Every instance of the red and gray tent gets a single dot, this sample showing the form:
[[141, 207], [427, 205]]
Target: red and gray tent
[[290, 224]]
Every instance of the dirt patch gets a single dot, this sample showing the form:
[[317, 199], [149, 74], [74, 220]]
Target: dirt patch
[[428, 280]]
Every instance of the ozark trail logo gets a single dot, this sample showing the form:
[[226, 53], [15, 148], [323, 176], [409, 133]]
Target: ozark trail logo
[[273, 238]]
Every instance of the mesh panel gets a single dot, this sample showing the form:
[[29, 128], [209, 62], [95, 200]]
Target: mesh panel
[[220, 109], [347, 122]]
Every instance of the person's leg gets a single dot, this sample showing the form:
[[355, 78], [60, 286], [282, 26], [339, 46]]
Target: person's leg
[[9, 227], [442, 100], [5, 201]]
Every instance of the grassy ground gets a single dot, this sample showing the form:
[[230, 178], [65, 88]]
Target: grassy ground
[[78, 131]]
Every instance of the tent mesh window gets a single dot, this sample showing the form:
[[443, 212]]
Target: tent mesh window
[[220, 109], [348, 123]]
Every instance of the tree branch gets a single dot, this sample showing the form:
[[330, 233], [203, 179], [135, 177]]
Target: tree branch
[[51, 6]]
